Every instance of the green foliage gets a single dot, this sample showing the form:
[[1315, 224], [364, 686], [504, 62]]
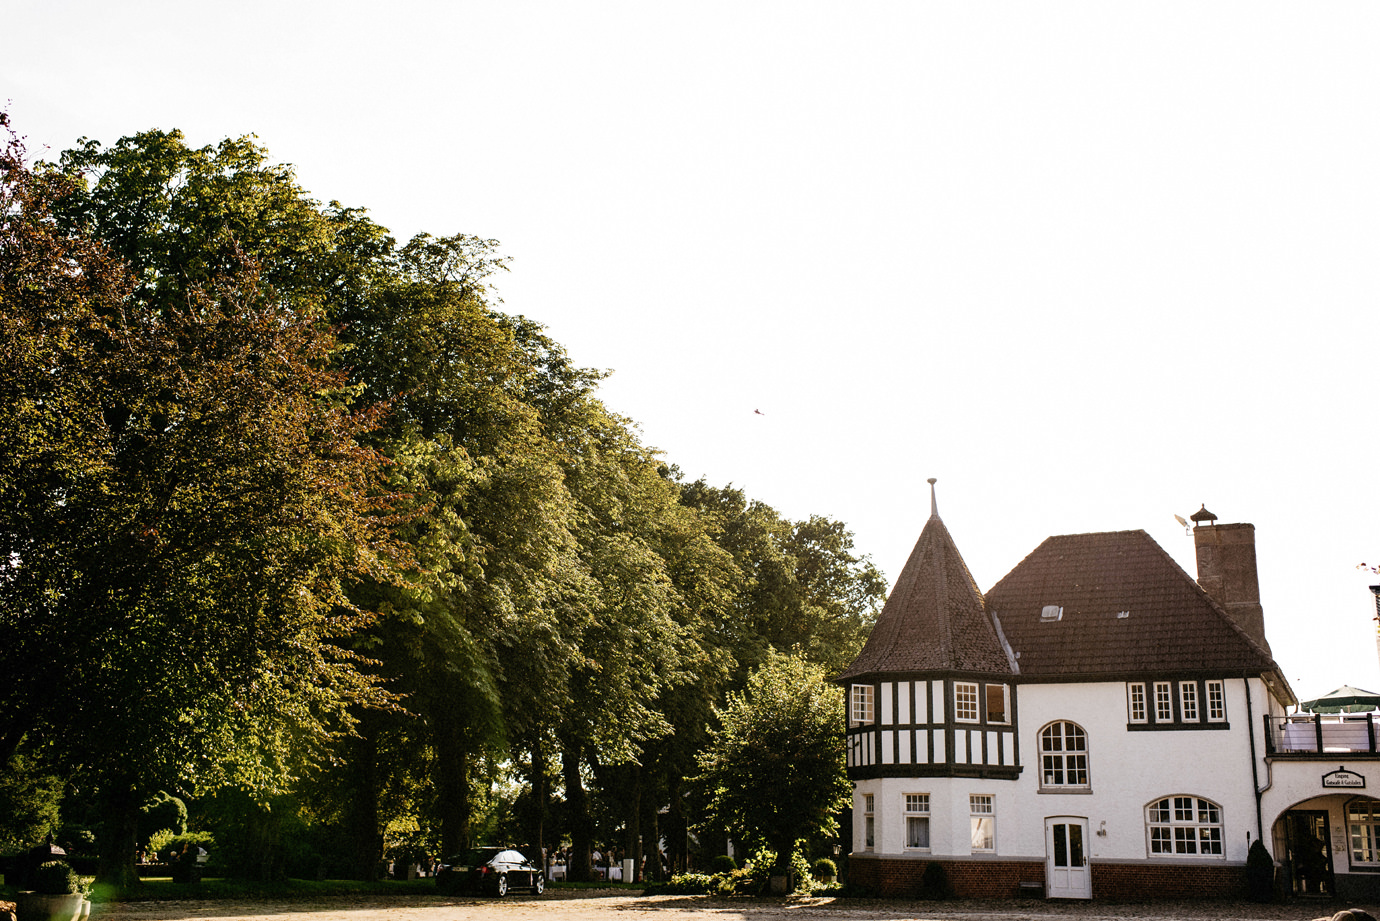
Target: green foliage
[[30, 799], [774, 773], [160, 842], [181, 477], [686, 884], [55, 877], [260, 461], [724, 863], [825, 867], [162, 812]]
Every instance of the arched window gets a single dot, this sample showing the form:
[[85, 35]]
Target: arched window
[[1184, 826], [1063, 756]]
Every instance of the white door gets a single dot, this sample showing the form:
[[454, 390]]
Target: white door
[[1066, 859]]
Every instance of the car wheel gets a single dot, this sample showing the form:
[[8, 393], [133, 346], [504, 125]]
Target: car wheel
[[501, 887], [540, 884]]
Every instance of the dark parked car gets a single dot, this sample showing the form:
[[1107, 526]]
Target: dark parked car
[[490, 869]]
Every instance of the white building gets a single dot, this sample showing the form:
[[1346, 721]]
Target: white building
[[1099, 724]]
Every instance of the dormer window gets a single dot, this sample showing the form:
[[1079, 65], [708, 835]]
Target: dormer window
[[1051, 612], [861, 710]]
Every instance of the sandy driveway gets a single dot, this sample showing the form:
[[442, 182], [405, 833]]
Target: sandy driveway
[[563, 907]]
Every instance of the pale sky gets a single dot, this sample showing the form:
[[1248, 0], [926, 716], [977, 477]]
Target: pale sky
[[1090, 264]]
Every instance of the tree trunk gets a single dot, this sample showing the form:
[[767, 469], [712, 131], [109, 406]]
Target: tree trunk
[[632, 818], [577, 809], [452, 782], [651, 840], [541, 798], [120, 803], [362, 812], [677, 827]]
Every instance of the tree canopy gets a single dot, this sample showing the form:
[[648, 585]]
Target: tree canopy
[[774, 771], [309, 519]]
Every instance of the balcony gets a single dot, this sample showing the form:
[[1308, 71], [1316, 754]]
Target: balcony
[[1315, 735]]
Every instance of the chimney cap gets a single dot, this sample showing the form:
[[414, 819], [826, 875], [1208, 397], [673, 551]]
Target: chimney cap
[[1202, 515]]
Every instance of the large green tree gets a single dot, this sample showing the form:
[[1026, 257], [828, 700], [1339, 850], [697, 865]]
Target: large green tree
[[774, 772], [182, 502]]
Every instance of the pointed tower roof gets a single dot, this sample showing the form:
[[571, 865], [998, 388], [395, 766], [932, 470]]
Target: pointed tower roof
[[934, 618]]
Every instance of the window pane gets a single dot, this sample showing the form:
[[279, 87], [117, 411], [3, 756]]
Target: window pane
[[1061, 846], [1164, 705], [996, 703], [982, 833], [966, 702], [917, 831], [1137, 703], [1076, 845], [1185, 825]]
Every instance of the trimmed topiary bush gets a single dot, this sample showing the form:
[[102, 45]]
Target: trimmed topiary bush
[[1260, 873], [723, 864], [825, 868]]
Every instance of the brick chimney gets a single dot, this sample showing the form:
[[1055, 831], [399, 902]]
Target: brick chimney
[[1227, 571]]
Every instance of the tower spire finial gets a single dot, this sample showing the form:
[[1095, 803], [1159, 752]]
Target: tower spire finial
[[934, 503]]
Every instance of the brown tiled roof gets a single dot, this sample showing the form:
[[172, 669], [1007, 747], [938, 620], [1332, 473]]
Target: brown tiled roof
[[934, 619], [1170, 624]]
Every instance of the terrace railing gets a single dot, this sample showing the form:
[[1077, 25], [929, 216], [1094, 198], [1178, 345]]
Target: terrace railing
[[1320, 734]]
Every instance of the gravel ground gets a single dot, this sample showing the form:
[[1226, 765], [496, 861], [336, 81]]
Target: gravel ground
[[562, 906]]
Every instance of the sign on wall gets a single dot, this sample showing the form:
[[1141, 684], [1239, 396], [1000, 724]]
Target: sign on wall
[[1343, 778]]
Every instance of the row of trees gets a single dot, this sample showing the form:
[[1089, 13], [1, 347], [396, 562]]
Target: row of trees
[[290, 510]]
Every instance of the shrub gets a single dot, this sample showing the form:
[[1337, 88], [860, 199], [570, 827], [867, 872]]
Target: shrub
[[163, 812], [824, 867], [56, 878], [159, 842], [934, 882], [1260, 872], [723, 864], [685, 884]]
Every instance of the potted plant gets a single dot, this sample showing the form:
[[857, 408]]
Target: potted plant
[[826, 871], [57, 895]]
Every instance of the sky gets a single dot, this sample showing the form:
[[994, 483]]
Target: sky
[[1089, 265]]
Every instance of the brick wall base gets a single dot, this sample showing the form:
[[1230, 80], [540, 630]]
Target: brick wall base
[[1000, 879], [967, 879]]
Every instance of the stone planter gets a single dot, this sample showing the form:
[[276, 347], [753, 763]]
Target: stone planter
[[780, 885], [35, 906]]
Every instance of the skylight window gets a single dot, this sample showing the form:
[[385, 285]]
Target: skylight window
[[1051, 612]]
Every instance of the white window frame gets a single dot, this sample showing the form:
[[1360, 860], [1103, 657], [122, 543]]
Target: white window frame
[[1184, 826], [1217, 701], [982, 811], [1164, 702], [869, 822], [1363, 831], [966, 702], [917, 807], [1004, 718], [1188, 701], [1136, 706], [863, 709], [1064, 756]]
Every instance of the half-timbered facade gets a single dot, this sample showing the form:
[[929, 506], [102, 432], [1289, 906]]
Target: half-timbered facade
[[1099, 723]]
